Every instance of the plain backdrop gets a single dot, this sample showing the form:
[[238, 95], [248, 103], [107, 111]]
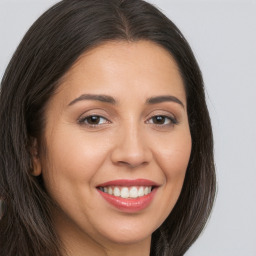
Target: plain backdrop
[[222, 34]]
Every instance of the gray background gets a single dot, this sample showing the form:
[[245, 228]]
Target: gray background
[[222, 34]]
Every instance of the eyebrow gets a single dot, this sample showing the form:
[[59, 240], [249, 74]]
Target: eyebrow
[[111, 100], [96, 97], [164, 98]]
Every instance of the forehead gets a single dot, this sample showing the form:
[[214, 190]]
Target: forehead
[[114, 66], [145, 54]]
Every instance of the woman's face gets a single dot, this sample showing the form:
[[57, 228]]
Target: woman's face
[[117, 144]]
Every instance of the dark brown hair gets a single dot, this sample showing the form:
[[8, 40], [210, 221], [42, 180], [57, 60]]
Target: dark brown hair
[[47, 51]]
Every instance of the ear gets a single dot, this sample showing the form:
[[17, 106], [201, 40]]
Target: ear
[[36, 167]]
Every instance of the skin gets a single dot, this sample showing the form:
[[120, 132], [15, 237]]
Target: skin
[[126, 143]]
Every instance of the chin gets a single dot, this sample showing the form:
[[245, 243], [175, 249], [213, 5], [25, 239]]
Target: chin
[[130, 232]]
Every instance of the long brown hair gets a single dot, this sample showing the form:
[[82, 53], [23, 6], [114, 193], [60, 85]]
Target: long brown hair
[[47, 51]]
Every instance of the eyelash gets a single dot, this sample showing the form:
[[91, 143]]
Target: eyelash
[[171, 121], [84, 120]]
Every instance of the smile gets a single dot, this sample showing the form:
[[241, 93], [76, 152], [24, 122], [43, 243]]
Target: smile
[[129, 195], [127, 192]]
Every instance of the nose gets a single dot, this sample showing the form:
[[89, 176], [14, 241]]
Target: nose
[[131, 148]]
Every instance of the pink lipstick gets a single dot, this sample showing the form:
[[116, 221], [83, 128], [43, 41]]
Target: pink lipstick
[[128, 195]]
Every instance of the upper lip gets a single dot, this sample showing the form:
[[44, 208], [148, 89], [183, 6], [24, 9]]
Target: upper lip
[[129, 182]]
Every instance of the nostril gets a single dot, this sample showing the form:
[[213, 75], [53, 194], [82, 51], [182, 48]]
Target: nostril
[[130, 155], [131, 164]]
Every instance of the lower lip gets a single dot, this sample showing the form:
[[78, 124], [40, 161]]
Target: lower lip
[[129, 205]]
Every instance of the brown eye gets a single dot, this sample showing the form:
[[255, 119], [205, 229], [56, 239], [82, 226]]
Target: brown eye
[[162, 120], [93, 120], [159, 119]]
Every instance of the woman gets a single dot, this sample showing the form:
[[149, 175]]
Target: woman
[[106, 142]]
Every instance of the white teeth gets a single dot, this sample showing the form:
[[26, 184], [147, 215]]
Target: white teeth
[[110, 191], [141, 191], [127, 192], [133, 192], [116, 191]]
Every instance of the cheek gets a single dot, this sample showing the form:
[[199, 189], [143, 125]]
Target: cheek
[[72, 161], [174, 155], [173, 161]]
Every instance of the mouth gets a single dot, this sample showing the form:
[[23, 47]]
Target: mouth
[[127, 192], [128, 195]]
